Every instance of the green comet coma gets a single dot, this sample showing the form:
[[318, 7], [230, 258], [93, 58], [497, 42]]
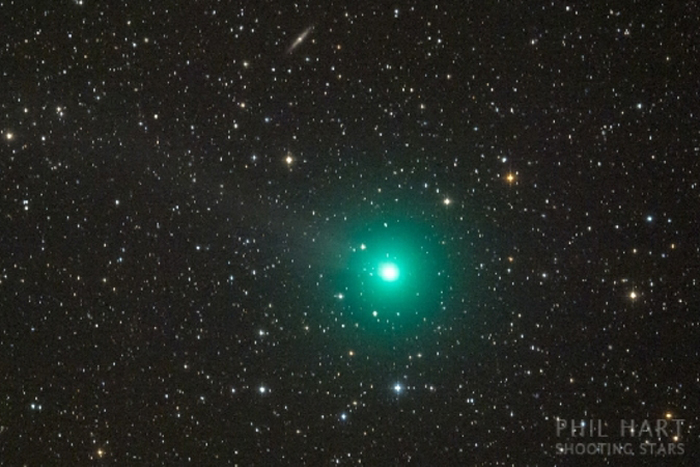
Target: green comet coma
[[394, 277], [389, 272]]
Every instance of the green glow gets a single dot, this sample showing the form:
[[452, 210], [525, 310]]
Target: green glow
[[394, 278], [389, 272]]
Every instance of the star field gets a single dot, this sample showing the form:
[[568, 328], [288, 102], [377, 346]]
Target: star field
[[346, 233]]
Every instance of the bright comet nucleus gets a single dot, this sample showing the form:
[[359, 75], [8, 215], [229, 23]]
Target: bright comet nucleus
[[388, 271]]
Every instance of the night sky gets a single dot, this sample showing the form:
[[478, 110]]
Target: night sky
[[346, 233]]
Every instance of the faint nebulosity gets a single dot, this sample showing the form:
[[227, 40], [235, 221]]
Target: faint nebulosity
[[346, 233]]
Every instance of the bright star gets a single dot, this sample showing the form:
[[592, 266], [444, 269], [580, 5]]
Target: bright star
[[388, 271], [397, 388]]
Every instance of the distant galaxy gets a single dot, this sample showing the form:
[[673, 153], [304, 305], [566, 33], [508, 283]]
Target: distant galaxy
[[299, 40]]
